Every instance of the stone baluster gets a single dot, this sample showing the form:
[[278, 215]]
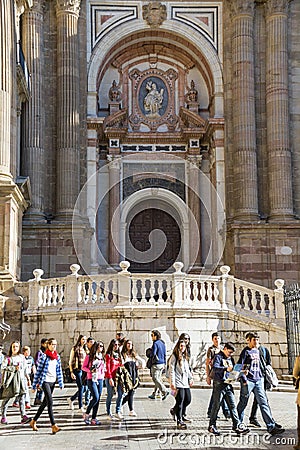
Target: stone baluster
[[68, 156], [279, 154], [6, 51], [245, 166], [33, 155]]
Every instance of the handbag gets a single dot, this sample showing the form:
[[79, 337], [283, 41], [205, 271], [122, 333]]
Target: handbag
[[296, 382]]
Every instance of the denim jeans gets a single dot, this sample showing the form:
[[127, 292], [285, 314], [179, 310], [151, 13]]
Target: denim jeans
[[223, 405], [95, 388], [222, 391], [258, 390], [110, 392], [80, 386], [156, 374]]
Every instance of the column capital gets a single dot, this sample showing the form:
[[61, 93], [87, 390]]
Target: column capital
[[277, 6], [241, 7], [68, 6]]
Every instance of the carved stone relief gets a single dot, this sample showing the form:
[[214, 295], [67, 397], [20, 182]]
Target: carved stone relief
[[155, 13]]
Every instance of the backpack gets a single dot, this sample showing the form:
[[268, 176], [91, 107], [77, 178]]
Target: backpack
[[168, 366], [269, 373]]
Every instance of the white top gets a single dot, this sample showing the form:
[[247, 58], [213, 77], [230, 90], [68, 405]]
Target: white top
[[140, 362], [51, 373]]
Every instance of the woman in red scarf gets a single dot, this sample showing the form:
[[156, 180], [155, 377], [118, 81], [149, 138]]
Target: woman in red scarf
[[48, 370]]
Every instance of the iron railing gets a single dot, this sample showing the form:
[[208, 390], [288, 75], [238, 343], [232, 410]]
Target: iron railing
[[292, 314]]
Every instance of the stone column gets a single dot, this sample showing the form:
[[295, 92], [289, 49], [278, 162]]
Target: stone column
[[33, 156], [68, 155], [114, 212], [194, 210], [6, 52], [279, 154], [245, 166]]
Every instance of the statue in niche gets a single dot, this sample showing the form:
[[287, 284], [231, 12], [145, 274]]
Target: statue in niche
[[153, 100], [114, 93], [192, 94]]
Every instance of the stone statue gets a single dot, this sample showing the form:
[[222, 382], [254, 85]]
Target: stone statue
[[114, 93], [192, 94], [153, 100]]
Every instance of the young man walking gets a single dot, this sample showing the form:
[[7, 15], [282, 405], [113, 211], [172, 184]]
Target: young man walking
[[158, 354], [252, 381]]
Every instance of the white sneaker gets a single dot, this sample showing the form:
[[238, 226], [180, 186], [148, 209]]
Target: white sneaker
[[71, 404], [82, 409], [110, 417], [132, 413], [119, 416]]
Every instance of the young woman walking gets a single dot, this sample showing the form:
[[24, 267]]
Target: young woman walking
[[48, 371], [180, 381], [77, 356], [132, 361], [94, 365], [113, 362], [14, 363]]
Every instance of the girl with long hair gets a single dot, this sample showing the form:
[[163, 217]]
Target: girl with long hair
[[180, 381], [77, 356], [132, 361], [94, 365], [112, 363], [48, 371], [14, 363]]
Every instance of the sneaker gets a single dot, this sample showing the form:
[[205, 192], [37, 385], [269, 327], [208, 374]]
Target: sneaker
[[71, 404], [4, 420], [110, 417], [16, 404], [276, 430], [119, 416], [95, 422], [181, 426], [158, 395], [172, 412], [165, 395], [132, 413], [86, 419], [254, 423], [241, 429], [27, 406], [212, 429], [277, 425], [186, 419], [152, 396], [25, 419]]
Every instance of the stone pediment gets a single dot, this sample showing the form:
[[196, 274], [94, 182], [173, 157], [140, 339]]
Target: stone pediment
[[116, 120], [191, 119]]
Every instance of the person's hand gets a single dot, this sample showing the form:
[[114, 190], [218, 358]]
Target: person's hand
[[111, 382], [33, 390], [173, 387], [17, 367], [191, 382], [229, 369], [73, 376], [208, 381]]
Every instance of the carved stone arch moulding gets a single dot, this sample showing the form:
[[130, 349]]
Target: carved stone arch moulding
[[153, 98]]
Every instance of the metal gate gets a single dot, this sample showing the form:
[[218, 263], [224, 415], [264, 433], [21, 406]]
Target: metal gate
[[292, 315]]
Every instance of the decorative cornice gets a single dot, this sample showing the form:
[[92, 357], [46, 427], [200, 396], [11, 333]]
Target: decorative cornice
[[241, 7], [277, 6], [68, 6]]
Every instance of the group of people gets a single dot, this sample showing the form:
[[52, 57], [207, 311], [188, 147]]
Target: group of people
[[117, 368]]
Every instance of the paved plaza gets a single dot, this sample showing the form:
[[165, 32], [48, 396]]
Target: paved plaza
[[153, 428]]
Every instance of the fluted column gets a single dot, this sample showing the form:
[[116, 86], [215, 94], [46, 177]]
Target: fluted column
[[279, 154], [6, 52], [33, 156], [68, 155], [245, 166], [114, 203]]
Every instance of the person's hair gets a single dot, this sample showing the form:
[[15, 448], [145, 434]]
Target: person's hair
[[156, 333], [93, 351], [252, 335], [25, 348], [10, 348], [229, 346], [215, 334], [89, 339], [179, 355], [78, 342], [111, 346], [130, 352], [49, 341], [43, 341]]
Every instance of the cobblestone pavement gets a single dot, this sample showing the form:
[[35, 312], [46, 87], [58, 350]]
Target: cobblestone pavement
[[153, 428]]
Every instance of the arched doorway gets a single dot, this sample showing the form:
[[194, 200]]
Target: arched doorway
[[139, 229]]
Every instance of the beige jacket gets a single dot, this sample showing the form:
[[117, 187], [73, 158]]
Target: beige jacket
[[296, 374]]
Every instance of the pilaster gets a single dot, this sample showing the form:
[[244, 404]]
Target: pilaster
[[114, 203]]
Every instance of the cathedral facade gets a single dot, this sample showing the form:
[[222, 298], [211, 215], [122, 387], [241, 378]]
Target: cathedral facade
[[151, 132]]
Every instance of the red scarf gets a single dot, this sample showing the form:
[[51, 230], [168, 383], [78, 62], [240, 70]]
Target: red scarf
[[52, 355]]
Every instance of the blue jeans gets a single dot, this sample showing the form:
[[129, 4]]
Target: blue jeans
[[223, 391], [258, 390], [110, 392], [95, 388], [80, 386], [223, 405]]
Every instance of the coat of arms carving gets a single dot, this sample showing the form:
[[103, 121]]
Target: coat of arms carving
[[154, 13]]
